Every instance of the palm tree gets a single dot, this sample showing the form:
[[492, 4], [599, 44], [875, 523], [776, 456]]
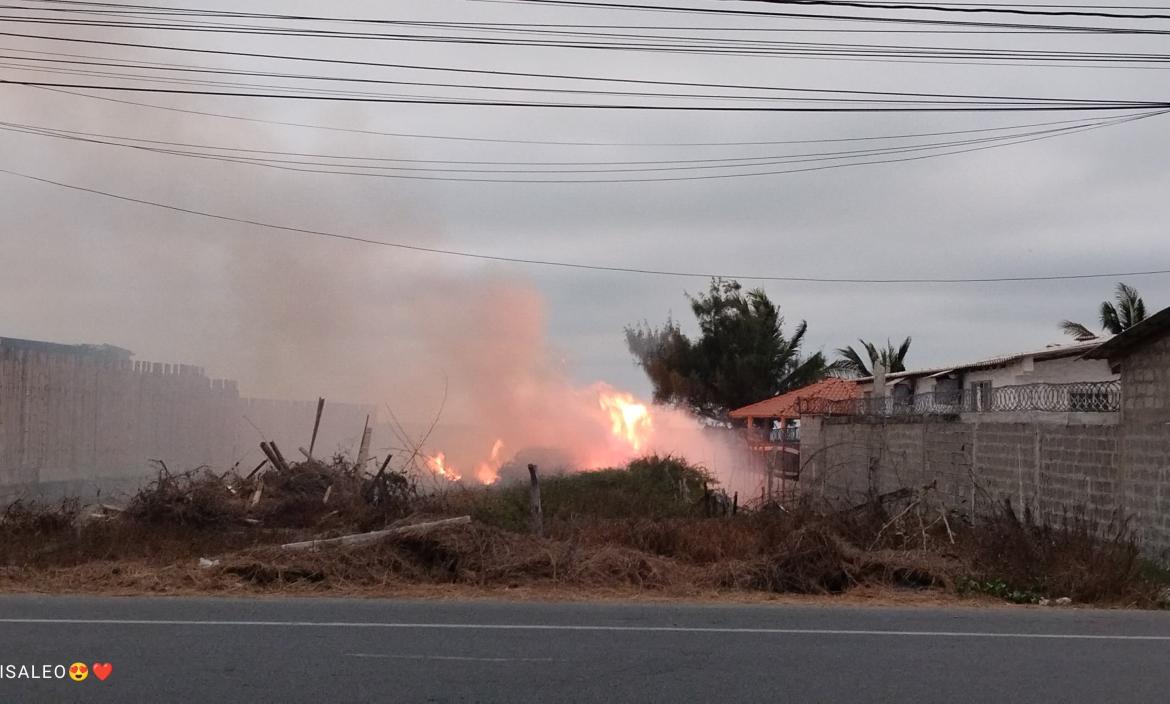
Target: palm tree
[[853, 363], [1115, 319]]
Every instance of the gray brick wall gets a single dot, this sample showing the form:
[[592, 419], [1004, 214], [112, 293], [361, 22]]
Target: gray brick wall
[[1145, 384], [1049, 467], [1110, 468]]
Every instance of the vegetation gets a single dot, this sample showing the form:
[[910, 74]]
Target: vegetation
[[651, 487], [741, 355], [894, 360], [647, 526], [1129, 310]]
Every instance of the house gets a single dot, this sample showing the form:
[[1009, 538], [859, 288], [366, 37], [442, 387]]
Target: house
[[773, 427], [1103, 455], [779, 416], [1059, 377]]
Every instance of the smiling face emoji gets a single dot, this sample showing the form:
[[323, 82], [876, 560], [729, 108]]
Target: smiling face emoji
[[78, 671]]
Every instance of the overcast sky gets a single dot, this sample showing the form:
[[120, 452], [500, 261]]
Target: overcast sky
[[292, 315]]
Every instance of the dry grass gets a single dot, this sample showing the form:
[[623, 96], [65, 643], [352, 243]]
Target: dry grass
[[154, 546]]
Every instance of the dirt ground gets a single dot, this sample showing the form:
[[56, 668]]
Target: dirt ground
[[142, 580]]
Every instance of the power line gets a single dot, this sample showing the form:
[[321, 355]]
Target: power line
[[188, 69], [638, 7], [530, 74], [887, 106], [251, 154], [385, 171], [972, 8], [148, 10], [463, 138], [941, 6], [574, 265], [658, 43], [554, 29], [891, 53], [660, 179]]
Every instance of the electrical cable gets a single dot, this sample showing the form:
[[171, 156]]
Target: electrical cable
[[578, 265]]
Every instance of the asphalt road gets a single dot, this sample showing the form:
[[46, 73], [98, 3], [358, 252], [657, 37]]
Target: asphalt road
[[327, 650]]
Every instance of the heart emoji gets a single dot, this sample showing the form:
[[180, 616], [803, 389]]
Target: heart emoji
[[102, 670]]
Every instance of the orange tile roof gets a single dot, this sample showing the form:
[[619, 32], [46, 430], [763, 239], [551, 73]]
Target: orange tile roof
[[784, 405]]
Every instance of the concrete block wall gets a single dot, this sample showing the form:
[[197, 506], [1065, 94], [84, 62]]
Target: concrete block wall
[[1110, 470], [1145, 383], [1145, 438]]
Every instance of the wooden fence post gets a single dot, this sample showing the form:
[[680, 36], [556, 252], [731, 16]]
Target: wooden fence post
[[364, 447], [534, 502], [316, 427]]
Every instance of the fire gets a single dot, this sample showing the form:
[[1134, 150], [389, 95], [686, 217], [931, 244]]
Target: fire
[[488, 471], [439, 466], [613, 426], [629, 420]]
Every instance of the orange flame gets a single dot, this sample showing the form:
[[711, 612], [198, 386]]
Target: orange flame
[[488, 471], [629, 420], [439, 467]]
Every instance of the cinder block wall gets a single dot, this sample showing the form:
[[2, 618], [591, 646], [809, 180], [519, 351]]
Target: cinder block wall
[[1145, 439], [1111, 470]]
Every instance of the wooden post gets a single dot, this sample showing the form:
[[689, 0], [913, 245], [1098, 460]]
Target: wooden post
[[534, 502], [262, 463], [283, 463], [316, 426], [768, 469], [364, 448], [735, 504], [270, 452]]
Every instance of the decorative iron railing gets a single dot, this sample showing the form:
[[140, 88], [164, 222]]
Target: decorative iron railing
[[786, 435], [1079, 397]]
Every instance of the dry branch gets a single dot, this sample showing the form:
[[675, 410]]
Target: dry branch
[[374, 536]]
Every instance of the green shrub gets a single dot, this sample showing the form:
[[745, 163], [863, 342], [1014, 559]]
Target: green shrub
[[648, 487]]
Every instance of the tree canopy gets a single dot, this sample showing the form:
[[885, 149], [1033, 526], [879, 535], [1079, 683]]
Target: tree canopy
[[740, 356], [894, 360], [1128, 311]]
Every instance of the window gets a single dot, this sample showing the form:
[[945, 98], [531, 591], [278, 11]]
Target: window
[[947, 392], [981, 396]]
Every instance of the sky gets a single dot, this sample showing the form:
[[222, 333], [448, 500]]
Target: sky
[[295, 316]]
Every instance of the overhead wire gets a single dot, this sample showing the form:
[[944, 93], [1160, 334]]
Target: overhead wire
[[999, 9], [728, 12], [118, 140], [538, 142], [516, 74], [1021, 139], [574, 265], [803, 50], [677, 44]]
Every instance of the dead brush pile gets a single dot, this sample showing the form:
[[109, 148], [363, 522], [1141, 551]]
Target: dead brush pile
[[196, 499], [310, 494], [798, 551], [1074, 554], [646, 529], [181, 516], [474, 554], [23, 517]]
